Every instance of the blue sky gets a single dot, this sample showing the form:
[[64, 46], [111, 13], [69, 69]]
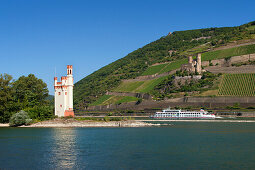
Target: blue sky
[[37, 36]]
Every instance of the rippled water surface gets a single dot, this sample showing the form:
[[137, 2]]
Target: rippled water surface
[[185, 145]]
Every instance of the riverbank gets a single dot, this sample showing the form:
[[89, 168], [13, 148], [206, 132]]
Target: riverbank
[[4, 125], [91, 123], [58, 123], [190, 120]]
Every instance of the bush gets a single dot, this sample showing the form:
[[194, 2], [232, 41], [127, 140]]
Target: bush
[[40, 112], [116, 119], [20, 118], [106, 118]]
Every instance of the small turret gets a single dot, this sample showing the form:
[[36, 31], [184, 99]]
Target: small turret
[[69, 69], [55, 81]]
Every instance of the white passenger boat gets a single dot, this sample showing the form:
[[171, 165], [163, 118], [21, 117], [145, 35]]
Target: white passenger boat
[[169, 113]]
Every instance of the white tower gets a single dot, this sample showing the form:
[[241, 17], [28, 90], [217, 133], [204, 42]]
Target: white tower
[[64, 94]]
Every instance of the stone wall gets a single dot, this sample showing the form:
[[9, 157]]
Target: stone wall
[[232, 70], [232, 60], [138, 95], [209, 102]]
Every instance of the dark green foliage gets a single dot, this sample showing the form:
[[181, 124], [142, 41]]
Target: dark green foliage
[[20, 118], [85, 118], [40, 112], [107, 119], [7, 102], [30, 91], [27, 93], [134, 64], [139, 101], [235, 106]]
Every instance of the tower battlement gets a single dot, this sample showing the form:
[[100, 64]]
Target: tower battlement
[[64, 94]]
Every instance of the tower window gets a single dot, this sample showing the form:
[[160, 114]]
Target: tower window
[[65, 93], [59, 93], [61, 105]]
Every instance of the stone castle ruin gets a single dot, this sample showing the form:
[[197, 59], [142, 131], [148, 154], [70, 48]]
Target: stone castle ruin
[[193, 65]]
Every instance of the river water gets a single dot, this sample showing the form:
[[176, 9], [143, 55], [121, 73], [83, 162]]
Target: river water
[[184, 145]]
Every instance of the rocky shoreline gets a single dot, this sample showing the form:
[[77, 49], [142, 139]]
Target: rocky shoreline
[[59, 123], [89, 123], [4, 125], [52, 124]]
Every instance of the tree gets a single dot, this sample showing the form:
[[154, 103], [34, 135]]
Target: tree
[[7, 104], [30, 91]]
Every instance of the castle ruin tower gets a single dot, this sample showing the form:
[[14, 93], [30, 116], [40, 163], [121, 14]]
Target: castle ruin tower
[[64, 94], [198, 64]]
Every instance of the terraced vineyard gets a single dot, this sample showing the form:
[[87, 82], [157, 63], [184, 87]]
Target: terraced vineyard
[[154, 69], [236, 51], [139, 86], [163, 68], [237, 85]]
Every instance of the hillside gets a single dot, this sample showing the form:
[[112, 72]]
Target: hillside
[[171, 50]]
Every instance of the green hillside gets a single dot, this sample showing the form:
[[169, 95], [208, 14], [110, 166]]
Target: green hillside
[[90, 88], [154, 69], [128, 86], [207, 56], [237, 85], [139, 86], [242, 50]]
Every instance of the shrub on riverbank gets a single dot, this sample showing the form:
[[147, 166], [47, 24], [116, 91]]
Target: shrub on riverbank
[[20, 118], [40, 113]]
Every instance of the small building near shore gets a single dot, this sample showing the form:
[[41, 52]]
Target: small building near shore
[[64, 94]]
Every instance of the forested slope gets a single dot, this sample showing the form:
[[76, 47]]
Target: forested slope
[[173, 47]]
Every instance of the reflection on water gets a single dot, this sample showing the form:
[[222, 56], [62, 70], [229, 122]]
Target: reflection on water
[[185, 145], [64, 152]]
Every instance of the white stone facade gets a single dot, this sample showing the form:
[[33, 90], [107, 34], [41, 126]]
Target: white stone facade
[[64, 94]]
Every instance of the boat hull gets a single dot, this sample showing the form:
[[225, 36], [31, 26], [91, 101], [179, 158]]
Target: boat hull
[[183, 117]]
